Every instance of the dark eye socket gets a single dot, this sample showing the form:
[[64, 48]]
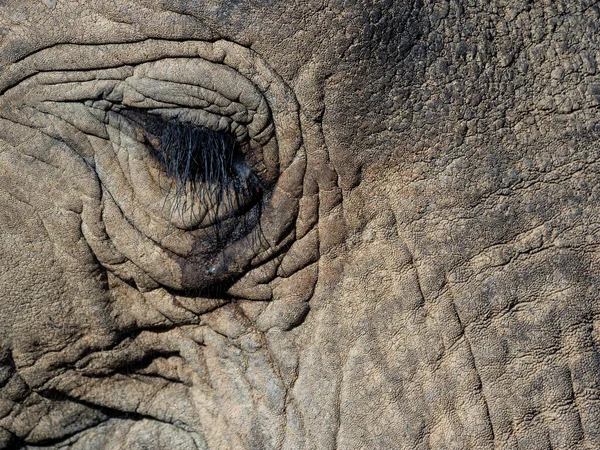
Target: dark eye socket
[[199, 165]]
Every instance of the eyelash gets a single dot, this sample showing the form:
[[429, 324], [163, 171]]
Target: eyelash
[[198, 163]]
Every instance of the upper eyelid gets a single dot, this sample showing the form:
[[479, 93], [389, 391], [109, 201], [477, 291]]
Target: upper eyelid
[[96, 89], [224, 86], [279, 135], [194, 97], [110, 98], [137, 92], [104, 88]]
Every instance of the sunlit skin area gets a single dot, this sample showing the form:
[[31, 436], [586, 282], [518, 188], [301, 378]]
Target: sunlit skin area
[[299, 225]]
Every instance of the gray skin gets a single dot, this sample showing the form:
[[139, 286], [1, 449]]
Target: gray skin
[[425, 270]]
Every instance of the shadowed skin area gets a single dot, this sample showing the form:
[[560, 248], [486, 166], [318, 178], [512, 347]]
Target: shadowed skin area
[[299, 225]]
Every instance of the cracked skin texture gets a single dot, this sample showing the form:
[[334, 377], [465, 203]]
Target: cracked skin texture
[[435, 286]]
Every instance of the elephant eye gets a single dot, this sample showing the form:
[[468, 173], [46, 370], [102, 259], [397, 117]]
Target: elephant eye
[[194, 154], [198, 165]]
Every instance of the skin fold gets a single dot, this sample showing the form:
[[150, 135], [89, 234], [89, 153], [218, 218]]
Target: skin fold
[[401, 255]]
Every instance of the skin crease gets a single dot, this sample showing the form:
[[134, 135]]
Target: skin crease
[[430, 273]]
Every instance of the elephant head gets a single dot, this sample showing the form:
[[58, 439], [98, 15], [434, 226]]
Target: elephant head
[[299, 225]]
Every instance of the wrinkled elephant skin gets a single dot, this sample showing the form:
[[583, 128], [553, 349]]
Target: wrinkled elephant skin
[[299, 225]]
